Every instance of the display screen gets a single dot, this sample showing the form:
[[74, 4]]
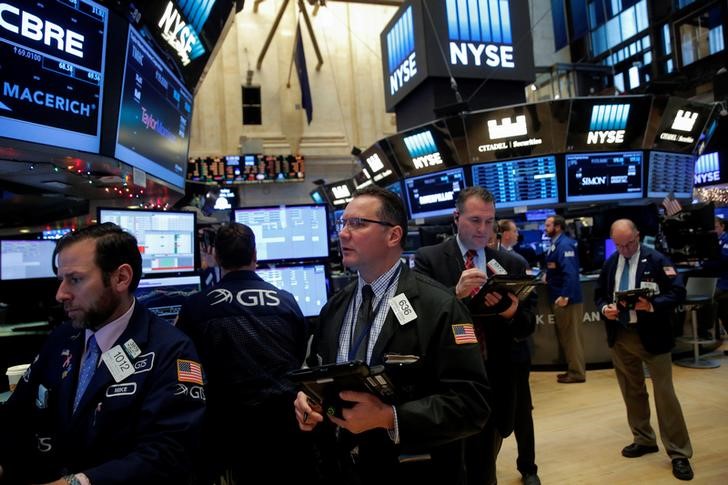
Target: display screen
[[603, 176], [599, 124], [378, 165], [539, 214], [287, 232], [519, 182], [23, 260], [709, 170], [154, 115], [306, 283], [681, 126], [424, 150], [670, 173], [245, 169], [166, 239], [434, 194], [164, 296], [52, 69], [609, 248], [340, 193]]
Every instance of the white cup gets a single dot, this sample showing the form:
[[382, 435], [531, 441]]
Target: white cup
[[14, 374]]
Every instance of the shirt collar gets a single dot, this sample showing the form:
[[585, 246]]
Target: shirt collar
[[107, 335], [380, 284], [480, 251]]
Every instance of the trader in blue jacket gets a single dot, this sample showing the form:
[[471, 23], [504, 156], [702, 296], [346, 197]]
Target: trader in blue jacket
[[564, 289], [644, 334], [117, 395]]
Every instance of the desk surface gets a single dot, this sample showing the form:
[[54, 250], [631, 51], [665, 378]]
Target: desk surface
[[30, 328]]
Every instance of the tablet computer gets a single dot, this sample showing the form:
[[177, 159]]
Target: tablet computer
[[324, 383], [628, 299], [521, 286]]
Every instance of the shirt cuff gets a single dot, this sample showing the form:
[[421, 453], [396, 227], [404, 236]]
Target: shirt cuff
[[394, 433], [83, 479]]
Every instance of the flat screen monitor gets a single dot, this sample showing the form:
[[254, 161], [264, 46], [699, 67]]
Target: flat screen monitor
[[23, 260], [594, 177], [539, 214], [164, 296], [55, 233], [166, 239], [155, 114], [395, 187], [434, 194], [530, 181], [287, 232], [378, 164], [670, 173], [53, 57], [424, 150], [306, 283], [609, 248]]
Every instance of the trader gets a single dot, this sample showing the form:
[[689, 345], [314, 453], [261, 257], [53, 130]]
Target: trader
[[249, 334], [424, 337], [644, 334], [116, 396], [564, 289], [463, 263]]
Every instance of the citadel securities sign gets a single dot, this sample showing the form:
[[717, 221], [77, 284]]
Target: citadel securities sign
[[466, 38]]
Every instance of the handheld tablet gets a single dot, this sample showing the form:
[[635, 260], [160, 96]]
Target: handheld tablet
[[324, 383], [627, 300], [520, 286]]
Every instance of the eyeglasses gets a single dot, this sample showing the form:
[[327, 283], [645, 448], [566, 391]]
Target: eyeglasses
[[627, 244], [355, 223]]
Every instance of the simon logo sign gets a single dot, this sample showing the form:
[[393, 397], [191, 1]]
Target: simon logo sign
[[423, 150], [480, 33], [401, 57], [607, 125]]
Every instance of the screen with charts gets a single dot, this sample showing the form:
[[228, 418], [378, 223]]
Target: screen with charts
[[670, 173], [154, 115], [164, 296], [530, 181], [434, 194], [23, 260], [306, 283], [53, 57], [166, 239], [287, 232], [594, 177]]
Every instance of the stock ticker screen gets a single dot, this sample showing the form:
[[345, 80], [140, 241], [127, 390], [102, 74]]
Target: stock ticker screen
[[52, 69], [154, 115], [307, 284], [530, 181], [434, 194], [594, 177]]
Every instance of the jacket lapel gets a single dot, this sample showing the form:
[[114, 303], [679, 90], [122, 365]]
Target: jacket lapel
[[407, 286], [69, 374], [452, 253], [330, 333]]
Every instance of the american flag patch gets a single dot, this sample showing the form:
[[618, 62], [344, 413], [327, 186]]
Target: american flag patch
[[464, 333], [669, 270], [189, 371]]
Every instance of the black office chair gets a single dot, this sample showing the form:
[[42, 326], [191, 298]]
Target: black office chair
[[700, 293]]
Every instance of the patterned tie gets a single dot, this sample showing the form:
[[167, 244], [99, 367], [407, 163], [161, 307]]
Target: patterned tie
[[363, 321], [624, 286], [87, 370], [470, 255]]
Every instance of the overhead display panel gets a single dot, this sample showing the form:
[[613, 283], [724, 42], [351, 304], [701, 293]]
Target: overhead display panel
[[403, 53], [340, 193], [515, 183], [154, 116], [378, 164], [434, 194], [682, 124], [596, 177], [517, 131], [423, 150], [710, 170], [608, 123], [53, 57], [670, 174]]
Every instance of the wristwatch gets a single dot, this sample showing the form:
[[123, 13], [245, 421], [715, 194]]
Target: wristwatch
[[72, 480]]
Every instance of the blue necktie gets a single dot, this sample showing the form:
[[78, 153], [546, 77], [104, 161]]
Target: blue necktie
[[624, 286], [87, 370]]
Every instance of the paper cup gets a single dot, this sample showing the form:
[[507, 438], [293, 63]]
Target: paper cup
[[14, 374]]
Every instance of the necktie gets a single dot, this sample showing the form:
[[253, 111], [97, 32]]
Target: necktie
[[470, 255], [87, 370], [624, 286], [363, 321]]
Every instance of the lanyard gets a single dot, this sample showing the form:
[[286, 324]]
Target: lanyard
[[354, 346]]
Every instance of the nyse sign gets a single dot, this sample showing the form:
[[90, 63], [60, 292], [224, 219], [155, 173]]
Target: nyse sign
[[607, 124], [401, 56], [479, 33]]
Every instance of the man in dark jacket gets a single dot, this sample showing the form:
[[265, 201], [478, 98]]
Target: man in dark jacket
[[114, 397], [249, 334], [422, 334], [463, 263], [644, 334]]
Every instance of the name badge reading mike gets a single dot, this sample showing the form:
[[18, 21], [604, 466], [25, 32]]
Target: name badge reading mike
[[402, 308]]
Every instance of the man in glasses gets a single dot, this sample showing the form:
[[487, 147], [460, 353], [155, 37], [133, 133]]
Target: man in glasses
[[464, 264], [423, 336], [643, 333], [116, 395]]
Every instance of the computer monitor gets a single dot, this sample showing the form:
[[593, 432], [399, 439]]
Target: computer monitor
[[434, 194], [306, 283], [596, 177], [287, 232], [670, 173], [609, 248], [166, 239], [514, 183], [164, 296], [26, 259]]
